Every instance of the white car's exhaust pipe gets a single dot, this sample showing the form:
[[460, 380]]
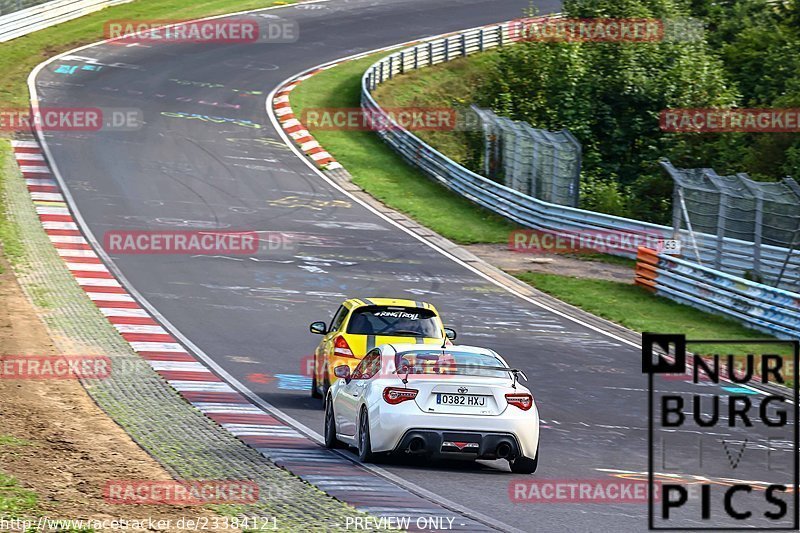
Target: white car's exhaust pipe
[[417, 445], [503, 450]]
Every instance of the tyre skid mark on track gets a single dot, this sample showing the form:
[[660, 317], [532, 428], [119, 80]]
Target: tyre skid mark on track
[[271, 437]]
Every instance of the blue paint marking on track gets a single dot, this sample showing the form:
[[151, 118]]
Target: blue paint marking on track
[[293, 382], [740, 390]]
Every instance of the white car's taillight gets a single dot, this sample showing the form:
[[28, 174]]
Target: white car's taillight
[[394, 395], [523, 401]]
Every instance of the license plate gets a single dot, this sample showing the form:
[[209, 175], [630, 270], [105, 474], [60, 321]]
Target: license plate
[[469, 400]]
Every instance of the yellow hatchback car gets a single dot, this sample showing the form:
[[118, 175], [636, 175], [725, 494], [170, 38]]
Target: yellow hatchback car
[[361, 324]]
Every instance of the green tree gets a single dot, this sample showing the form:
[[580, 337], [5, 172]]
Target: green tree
[[759, 42]]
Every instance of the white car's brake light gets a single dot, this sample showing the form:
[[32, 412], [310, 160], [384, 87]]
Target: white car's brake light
[[523, 401], [394, 395]]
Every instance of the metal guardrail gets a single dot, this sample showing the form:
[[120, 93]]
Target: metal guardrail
[[9, 6], [521, 208], [38, 17], [767, 309]]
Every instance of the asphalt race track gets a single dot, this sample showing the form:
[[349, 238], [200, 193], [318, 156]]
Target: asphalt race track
[[251, 314]]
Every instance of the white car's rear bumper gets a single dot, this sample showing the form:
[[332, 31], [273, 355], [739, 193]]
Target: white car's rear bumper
[[394, 431]]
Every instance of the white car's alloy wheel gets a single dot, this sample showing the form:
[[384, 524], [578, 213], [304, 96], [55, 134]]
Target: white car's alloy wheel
[[330, 426], [364, 444]]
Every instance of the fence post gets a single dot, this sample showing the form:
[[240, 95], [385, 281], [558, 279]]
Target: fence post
[[556, 156], [788, 258], [381, 72], [446, 49], [416, 57], [391, 66], [403, 62], [480, 40], [758, 224], [576, 182], [517, 169], [499, 36], [689, 227], [676, 211], [535, 177], [430, 53], [722, 210], [795, 237], [758, 235], [488, 149], [464, 45]]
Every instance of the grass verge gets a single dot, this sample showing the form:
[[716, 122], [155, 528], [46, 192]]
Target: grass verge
[[605, 258], [9, 440], [15, 501], [639, 310], [384, 174], [10, 243], [449, 85]]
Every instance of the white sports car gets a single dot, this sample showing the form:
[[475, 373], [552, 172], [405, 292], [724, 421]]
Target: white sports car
[[450, 402]]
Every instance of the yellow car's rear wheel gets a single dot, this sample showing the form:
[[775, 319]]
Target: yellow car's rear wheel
[[314, 387]]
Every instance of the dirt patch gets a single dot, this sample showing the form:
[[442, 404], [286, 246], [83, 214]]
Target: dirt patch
[[71, 447], [500, 256]]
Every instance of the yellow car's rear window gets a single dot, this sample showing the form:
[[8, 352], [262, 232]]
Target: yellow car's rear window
[[394, 321]]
